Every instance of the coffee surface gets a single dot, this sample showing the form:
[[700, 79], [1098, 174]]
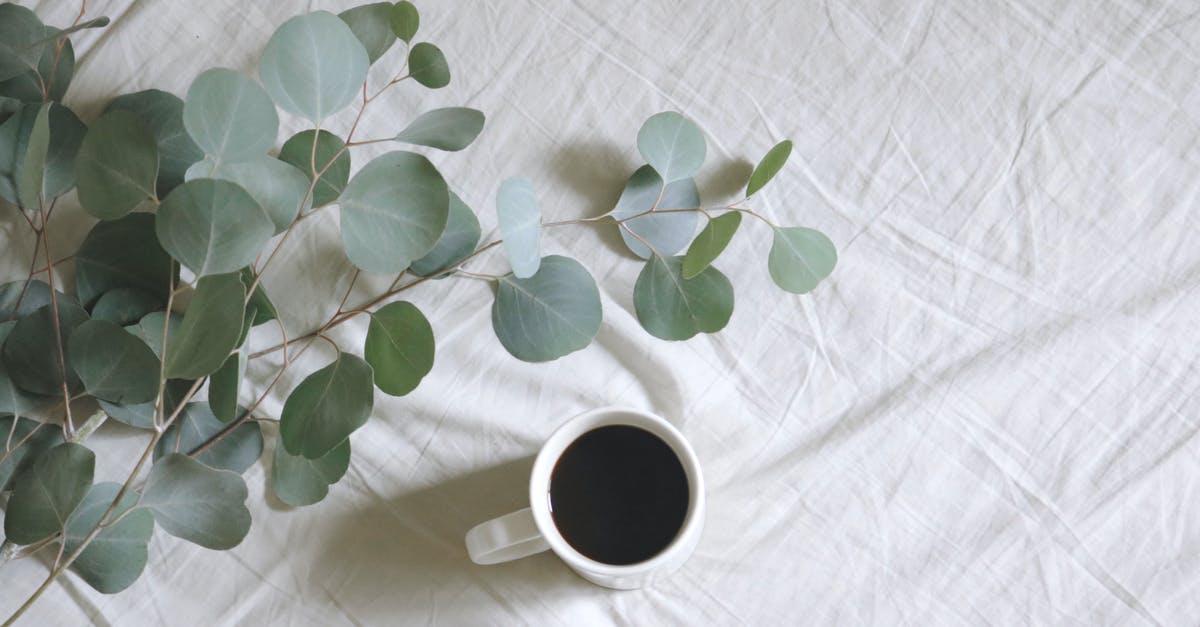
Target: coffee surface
[[618, 494]]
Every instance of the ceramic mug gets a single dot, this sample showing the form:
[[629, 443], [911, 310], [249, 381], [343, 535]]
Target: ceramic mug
[[532, 530]]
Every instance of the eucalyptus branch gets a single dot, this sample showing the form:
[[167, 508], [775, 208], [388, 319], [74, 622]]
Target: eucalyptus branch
[[68, 423]]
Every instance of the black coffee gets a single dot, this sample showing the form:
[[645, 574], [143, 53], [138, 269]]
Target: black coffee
[[618, 494]]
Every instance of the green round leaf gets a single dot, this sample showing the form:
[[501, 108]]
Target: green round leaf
[[197, 503], [299, 151], [31, 171], [223, 387], [161, 113], [671, 307], [709, 244], [371, 24], [112, 364], [405, 20], [393, 211], [27, 86], [399, 347], [22, 39], [313, 65], [458, 240], [299, 481], [236, 452], [520, 225], [141, 416], [452, 128], [46, 493], [18, 452], [13, 399], [117, 166], [211, 328], [672, 144], [770, 165], [30, 351], [551, 314], [278, 187], [427, 65], [58, 167], [125, 305], [212, 226], [327, 407], [150, 329], [229, 116], [123, 253], [800, 258], [667, 233], [115, 558], [18, 301], [641, 194]]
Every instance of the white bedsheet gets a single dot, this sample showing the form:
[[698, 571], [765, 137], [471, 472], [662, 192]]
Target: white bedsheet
[[987, 416]]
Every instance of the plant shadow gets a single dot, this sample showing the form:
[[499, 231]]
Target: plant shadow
[[597, 171]]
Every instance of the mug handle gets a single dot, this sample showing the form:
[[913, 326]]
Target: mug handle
[[509, 537]]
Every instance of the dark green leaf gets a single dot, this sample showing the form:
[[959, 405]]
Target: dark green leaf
[[13, 399], [299, 152], [229, 116], [161, 113], [19, 449], [22, 38], [457, 241], [520, 225], [197, 503], [399, 347], [405, 20], [551, 314], [112, 364], [66, 133], [427, 65], [123, 253], [770, 165], [212, 226], [800, 258], [31, 354], [210, 329], [46, 493], [115, 558], [709, 244], [18, 301], [452, 128], [371, 24], [671, 307], [223, 387], [54, 68], [260, 303], [31, 171], [150, 329], [142, 416], [236, 451], [327, 407], [313, 65], [125, 306], [117, 166], [299, 481]]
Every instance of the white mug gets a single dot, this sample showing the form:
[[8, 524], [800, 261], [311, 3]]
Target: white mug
[[532, 530]]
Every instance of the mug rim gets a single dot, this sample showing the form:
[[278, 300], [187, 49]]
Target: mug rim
[[564, 436]]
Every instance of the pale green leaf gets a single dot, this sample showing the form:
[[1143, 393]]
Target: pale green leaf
[[668, 233], [116, 556], [212, 226], [457, 241], [672, 144], [313, 65], [229, 116], [551, 314], [279, 188], [197, 503], [671, 307], [371, 23], [196, 425], [520, 225], [452, 128], [800, 258], [45, 494]]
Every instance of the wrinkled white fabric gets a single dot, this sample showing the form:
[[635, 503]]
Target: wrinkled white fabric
[[986, 416]]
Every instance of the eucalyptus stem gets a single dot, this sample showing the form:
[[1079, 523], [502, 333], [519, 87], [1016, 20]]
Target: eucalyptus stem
[[68, 423]]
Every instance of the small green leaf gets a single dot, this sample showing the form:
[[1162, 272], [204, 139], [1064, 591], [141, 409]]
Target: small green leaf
[[371, 24], [13, 399], [150, 329], [112, 364], [393, 211], [313, 65], [671, 307], [212, 226], [210, 329], [672, 144], [125, 306], [260, 303], [161, 113], [405, 20], [47, 492], [452, 128], [668, 233], [19, 449], [117, 166], [31, 354], [18, 301], [229, 116], [457, 241], [427, 65], [236, 451], [327, 407], [278, 187], [31, 172], [520, 225], [551, 314], [22, 38], [770, 165], [115, 558], [197, 503], [709, 244], [800, 258], [223, 387], [123, 253], [299, 151], [141, 416], [399, 347], [58, 171], [299, 481]]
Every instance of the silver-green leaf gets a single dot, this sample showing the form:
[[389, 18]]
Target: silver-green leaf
[[113, 364], [667, 233], [553, 313], [280, 188], [327, 407], [196, 425], [212, 226], [451, 128], [458, 240], [117, 166], [141, 416], [115, 558], [672, 144], [210, 329], [299, 481], [197, 503], [800, 258], [313, 65], [520, 224], [671, 307], [371, 23], [229, 116], [46, 493]]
